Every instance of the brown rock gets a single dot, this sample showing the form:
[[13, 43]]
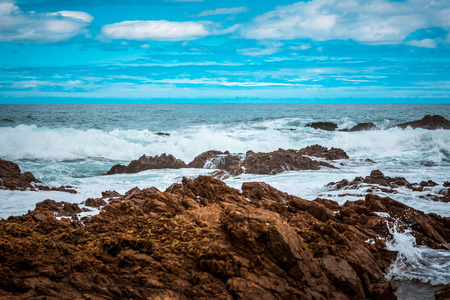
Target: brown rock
[[145, 162], [363, 127], [328, 126], [201, 239], [11, 178], [428, 122], [279, 161], [323, 152], [443, 293]]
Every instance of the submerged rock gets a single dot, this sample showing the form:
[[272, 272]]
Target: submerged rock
[[204, 240], [164, 161], [328, 126], [428, 122]]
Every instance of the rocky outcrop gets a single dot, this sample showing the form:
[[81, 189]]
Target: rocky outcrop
[[376, 180], [11, 178], [328, 126], [164, 161], [279, 161], [231, 163], [428, 122], [362, 127], [324, 152], [201, 239]]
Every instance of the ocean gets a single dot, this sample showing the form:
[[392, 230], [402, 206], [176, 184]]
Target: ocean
[[75, 144]]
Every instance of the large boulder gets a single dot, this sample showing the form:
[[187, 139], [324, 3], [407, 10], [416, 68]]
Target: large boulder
[[214, 159], [164, 161], [428, 122]]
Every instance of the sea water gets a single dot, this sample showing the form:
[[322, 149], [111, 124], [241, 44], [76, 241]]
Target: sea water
[[76, 144]]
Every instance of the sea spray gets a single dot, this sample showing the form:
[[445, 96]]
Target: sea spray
[[415, 262]]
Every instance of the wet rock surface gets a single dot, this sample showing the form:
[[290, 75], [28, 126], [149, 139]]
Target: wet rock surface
[[230, 164], [163, 161], [443, 293], [428, 122], [324, 152], [328, 126], [377, 180], [362, 127], [11, 178], [279, 161], [201, 239]]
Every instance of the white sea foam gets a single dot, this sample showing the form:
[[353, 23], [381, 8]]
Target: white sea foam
[[417, 262], [394, 145]]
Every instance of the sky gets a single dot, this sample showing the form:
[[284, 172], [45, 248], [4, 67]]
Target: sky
[[196, 51]]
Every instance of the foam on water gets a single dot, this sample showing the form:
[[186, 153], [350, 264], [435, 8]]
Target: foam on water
[[417, 262]]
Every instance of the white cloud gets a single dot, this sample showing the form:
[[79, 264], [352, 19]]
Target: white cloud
[[425, 43], [222, 11], [41, 28], [371, 22], [158, 30]]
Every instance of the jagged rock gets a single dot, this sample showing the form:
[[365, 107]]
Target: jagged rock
[[428, 229], [218, 160], [428, 183], [323, 152], [376, 177], [328, 126], [60, 209], [201, 239], [428, 122], [362, 127], [95, 202], [279, 161], [11, 178], [164, 161]]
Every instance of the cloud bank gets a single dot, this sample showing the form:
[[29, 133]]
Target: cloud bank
[[158, 30], [17, 26], [369, 22]]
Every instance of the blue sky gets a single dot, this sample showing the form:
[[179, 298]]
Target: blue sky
[[67, 51]]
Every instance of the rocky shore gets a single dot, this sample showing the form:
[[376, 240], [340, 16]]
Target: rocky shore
[[235, 164], [201, 239]]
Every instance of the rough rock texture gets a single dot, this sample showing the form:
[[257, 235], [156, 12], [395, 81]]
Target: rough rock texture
[[328, 126], [428, 122], [376, 177], [204, 240], [324, 152], [362, 127], [11, 178], [431, 230], [164, 161], [279, 161], [214, 159]]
